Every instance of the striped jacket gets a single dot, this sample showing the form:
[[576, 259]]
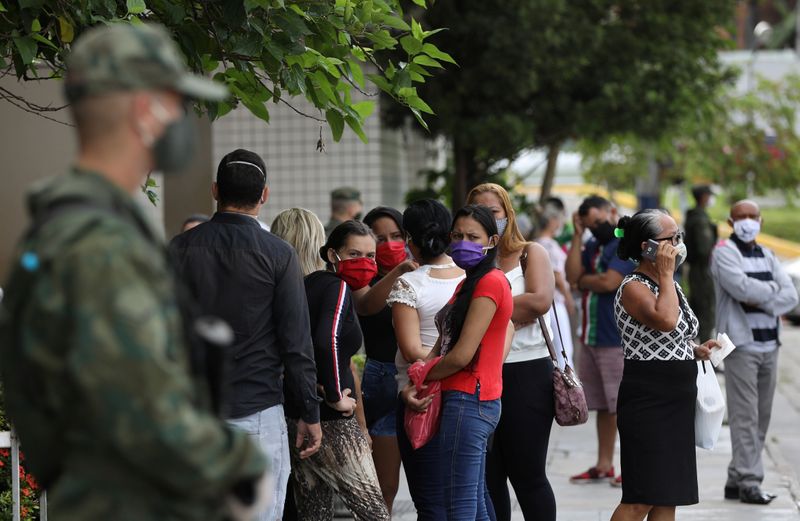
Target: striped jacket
[[740, 288]]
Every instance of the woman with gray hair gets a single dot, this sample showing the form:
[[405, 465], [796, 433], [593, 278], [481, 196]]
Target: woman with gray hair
[[656, 405], [551, 223]]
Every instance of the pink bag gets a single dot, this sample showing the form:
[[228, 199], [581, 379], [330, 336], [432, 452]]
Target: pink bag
[[422, 426], [568, 396]]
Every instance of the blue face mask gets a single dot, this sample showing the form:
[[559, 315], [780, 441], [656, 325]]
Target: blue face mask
[[501, 225]]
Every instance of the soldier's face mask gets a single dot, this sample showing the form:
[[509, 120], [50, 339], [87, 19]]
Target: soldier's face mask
[[173, 151]]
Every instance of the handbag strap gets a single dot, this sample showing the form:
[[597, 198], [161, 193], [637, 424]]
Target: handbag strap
[[523, 263], [560, 337], [549, 341]]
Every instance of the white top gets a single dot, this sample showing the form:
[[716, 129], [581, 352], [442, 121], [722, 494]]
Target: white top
[[417, 289], [528, 343], [558, 258]]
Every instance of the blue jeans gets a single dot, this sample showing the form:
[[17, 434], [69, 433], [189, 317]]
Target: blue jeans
[[466, 426], [423, 467], [379, 390], [267, 428]]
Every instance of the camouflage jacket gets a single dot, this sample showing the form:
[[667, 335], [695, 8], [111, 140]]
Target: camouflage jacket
[[95, 367], [701, 236]]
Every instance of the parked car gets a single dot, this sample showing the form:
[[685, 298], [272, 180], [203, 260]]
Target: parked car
[[793, 269]]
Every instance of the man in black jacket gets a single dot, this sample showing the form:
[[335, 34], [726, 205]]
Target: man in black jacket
[[245, 275], [701, 236]]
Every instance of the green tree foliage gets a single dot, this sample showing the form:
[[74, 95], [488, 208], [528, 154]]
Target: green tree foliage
[[747, 143], [752, 143], [541, 72], [264, 50]]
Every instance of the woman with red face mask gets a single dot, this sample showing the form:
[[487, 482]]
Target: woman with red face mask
[[343, 464], [378, 386]]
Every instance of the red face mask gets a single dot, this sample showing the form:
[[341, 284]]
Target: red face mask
[[389, 254], [357, 272]]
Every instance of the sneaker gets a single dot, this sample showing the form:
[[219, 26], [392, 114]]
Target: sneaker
[[617, 482], [592, 476]]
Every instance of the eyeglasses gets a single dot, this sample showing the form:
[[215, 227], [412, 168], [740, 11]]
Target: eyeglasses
[[674, 239]]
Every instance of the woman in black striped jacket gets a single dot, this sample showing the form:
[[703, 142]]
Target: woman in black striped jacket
[[344, 463]]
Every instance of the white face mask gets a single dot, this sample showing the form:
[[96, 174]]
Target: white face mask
[[747, 229], [501, 225], [681, 248]]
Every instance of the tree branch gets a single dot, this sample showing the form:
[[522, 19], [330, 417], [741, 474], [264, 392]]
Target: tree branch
[[309, 116], [354, 84], [262, 78], [371, 58], [34, 112], [8, 96]]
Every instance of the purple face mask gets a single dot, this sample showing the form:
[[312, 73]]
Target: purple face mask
[[467, 254]]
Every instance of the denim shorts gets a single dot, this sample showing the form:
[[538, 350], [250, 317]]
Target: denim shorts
[[379, 389]]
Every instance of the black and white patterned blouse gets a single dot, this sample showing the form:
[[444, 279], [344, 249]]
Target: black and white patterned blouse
[[640, 342]]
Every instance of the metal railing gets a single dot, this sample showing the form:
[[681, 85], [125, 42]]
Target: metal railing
[[9, 440]]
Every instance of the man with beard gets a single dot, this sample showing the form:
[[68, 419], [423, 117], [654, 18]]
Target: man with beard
[[597, 272]]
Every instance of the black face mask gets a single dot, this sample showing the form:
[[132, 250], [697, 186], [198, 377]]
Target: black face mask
[[604, 232], [174, 150]]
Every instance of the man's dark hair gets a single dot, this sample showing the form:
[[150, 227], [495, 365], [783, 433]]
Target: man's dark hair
[[699, 191], [241, 178], [593, 201]]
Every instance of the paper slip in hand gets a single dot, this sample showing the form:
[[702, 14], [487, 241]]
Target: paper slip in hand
[[719, 354]]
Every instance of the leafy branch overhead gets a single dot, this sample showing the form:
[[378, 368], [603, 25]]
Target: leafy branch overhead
[[264, 50]]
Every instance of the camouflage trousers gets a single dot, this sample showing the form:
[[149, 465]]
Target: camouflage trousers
[[343, 466]]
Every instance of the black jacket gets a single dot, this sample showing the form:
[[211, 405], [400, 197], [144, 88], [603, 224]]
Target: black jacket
[[336, 336], [251, 279]]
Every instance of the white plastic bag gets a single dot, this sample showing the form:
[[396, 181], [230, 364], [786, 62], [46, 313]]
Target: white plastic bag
[[709, 409]]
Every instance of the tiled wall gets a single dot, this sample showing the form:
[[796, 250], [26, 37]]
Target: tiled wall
[[384, 169]]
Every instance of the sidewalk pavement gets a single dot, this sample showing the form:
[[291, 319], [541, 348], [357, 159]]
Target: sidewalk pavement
[[573, 450]]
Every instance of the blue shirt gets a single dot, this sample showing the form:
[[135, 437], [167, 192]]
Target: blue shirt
[[599, 323]]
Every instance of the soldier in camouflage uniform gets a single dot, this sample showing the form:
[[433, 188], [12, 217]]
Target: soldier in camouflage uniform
[[94, 353], [701, 236]]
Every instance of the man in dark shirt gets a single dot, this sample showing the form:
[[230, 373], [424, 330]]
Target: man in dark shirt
[[595, 270], [245, 275], [701, 236]]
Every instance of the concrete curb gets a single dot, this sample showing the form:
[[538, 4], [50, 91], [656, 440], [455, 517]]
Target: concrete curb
[[787, 472]]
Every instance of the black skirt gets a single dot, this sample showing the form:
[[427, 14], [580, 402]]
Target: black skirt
[[655, 417]]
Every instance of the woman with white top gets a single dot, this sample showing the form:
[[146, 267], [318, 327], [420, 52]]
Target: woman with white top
[[519, 451], [550, 220], [415, 299]]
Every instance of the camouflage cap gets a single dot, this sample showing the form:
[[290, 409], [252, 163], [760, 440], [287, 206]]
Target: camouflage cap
[[345, 193], [123, 57]]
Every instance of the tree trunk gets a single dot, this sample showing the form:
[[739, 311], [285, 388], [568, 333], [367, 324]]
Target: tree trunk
[[550, 172], [647, 187], [464, 180]]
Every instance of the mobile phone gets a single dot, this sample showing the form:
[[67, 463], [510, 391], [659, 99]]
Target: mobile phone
[[650, 250]]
